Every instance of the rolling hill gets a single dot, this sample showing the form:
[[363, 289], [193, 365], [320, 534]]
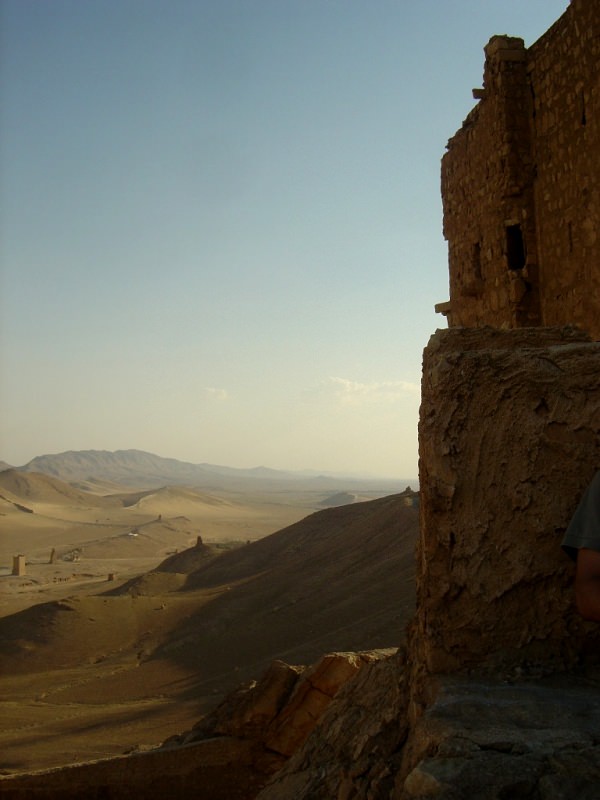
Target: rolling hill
[[39, 512], [341, 578], [173, 640], [32, 487]]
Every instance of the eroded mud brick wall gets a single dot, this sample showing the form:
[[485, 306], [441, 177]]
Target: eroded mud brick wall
[[521, 183], [509, 438]]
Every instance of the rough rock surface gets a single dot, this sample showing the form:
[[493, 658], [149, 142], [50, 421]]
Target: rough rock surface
[[282, 708], [479, 739], [485, 740], [509, 439], [229, 754], [355, 749]]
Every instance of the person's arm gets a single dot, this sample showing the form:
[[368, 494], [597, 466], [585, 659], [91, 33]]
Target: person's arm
[[587, 584]]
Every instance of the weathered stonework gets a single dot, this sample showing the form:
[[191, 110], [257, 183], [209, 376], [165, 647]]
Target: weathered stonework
[[521, 184], [509, 438]]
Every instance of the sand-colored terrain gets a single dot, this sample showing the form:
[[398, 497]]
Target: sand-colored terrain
[[114, 530], [92, 667]]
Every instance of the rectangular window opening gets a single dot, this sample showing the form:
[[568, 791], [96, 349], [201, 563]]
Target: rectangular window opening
[[476, 261], [515, 247]]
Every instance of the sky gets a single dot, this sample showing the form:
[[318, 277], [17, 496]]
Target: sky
[[221, 225]]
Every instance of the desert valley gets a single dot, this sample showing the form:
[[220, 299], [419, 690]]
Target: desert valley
[[139, 605], [177, 630]]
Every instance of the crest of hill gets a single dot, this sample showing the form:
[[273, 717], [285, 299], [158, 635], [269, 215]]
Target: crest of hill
[[98, 486], [320, 543], [125, 467], [341, 499], [35, 487], [172, 500]]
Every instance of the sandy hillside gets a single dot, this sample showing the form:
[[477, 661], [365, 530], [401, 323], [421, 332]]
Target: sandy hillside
[[125, 531], [124, 664], [39, 488]]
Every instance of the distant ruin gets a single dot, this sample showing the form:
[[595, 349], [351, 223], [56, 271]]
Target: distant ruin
[[19, 567], [521, 184]]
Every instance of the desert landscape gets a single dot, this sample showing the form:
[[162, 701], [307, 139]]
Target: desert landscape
[[219, 238], [138, 608]]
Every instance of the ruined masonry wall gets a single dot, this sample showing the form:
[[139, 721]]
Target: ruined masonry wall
[[565, 74], [486, 184], [520, 184]]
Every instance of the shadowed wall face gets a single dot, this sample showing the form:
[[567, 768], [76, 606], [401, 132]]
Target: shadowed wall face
[[509, 439], [520, 184]]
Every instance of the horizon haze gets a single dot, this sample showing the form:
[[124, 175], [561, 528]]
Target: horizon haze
[[140, 468], [221, 229]]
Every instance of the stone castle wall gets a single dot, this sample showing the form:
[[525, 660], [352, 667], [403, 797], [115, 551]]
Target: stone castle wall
[[521, 184]]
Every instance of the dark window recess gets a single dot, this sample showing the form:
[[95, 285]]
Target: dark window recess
[[583, 117], [476, 261], [515, 247]]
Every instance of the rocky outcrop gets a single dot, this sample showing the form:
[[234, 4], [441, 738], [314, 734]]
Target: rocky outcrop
[[229, 754], [355, 749], [509, 440], [282, 708]]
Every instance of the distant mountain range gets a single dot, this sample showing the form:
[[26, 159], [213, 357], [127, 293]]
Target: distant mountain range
[[141, 469]]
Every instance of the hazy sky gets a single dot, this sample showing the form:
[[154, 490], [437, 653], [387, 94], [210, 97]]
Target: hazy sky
[[221, 222]]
